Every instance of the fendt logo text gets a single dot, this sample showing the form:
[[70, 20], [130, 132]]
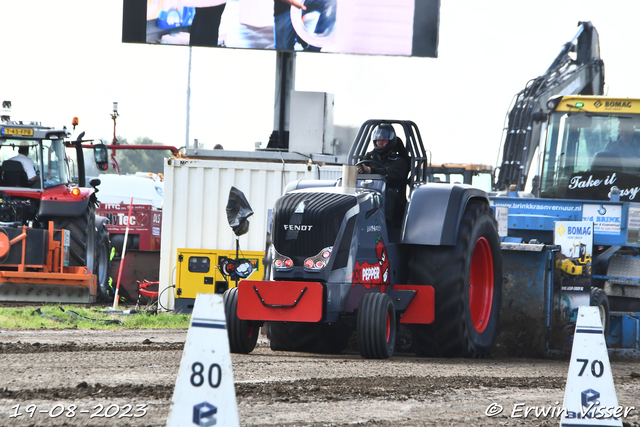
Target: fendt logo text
[[293, 227]]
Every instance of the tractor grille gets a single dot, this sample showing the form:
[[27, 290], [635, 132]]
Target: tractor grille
[[301, 235]]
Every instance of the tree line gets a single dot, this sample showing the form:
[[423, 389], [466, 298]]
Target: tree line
[[132, 161]]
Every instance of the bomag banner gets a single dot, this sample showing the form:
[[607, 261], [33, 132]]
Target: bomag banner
[[575, 237], [572, 280]]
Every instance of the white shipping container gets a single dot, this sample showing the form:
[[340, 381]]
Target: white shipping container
[[196, 192]]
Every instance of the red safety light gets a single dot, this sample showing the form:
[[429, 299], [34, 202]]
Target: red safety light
[[288, 262], [308, 263], [75, 192]]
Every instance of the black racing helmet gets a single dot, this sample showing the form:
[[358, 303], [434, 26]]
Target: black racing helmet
[[384, 131]]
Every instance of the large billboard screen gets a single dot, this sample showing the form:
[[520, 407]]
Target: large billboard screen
[[370, 27]]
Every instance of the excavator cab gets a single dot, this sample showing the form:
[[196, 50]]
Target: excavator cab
[[588, 150]]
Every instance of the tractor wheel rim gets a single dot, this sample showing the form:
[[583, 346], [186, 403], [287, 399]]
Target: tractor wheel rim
[[481, 285]]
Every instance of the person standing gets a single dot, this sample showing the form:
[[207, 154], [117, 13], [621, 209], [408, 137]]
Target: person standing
[[205, 27]]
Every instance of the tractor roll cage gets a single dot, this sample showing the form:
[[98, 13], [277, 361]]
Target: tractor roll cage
[[412, 144]]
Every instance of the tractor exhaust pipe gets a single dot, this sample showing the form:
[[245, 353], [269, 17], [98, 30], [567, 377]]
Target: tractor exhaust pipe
[[349, 176]]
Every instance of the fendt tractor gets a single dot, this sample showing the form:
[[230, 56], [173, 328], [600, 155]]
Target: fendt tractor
[[568, 206], [53, 246], [337, 264]]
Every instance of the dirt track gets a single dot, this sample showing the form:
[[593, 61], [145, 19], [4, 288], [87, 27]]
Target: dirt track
[[89, 368]]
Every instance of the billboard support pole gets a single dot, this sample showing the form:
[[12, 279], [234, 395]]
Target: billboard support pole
[[188, 98], [285, 83]]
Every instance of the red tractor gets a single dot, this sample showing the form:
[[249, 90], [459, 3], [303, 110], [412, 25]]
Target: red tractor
[[53, 246]]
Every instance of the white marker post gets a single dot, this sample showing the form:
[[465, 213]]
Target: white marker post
[[590, 396], [204, 394]]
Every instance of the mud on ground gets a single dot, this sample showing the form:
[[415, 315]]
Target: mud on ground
[[137, 370]]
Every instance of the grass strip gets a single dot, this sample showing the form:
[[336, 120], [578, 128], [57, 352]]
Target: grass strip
[[54, 316]]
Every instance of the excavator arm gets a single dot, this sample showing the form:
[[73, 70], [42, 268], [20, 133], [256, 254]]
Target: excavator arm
[[577, 69]]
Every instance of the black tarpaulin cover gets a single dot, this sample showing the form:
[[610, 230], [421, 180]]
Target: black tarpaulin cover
[[238, 210]]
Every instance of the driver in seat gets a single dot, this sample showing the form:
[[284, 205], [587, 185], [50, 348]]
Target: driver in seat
[[26, 162], [385, 152], [622, 154]]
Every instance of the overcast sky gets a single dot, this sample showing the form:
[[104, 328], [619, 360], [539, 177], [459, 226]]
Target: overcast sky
[[65, 58]]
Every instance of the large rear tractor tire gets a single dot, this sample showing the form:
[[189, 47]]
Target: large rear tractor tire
[[376, 326], [82, 249], [243, 334], [103, 262], [467, 279], [89, 247]]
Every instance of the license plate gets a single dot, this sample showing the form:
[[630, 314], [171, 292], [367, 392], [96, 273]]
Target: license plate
[[17, 131]]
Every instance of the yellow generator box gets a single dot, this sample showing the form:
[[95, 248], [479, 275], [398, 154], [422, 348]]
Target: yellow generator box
[[198, 271]]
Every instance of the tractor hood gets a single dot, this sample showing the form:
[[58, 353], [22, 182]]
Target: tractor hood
[[304, 223]]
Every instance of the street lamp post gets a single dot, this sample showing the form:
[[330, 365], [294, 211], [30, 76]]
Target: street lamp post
[[114, 116]]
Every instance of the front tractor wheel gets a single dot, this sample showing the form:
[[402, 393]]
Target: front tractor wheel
[[376, 326], [243, 334], [467, 279]]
